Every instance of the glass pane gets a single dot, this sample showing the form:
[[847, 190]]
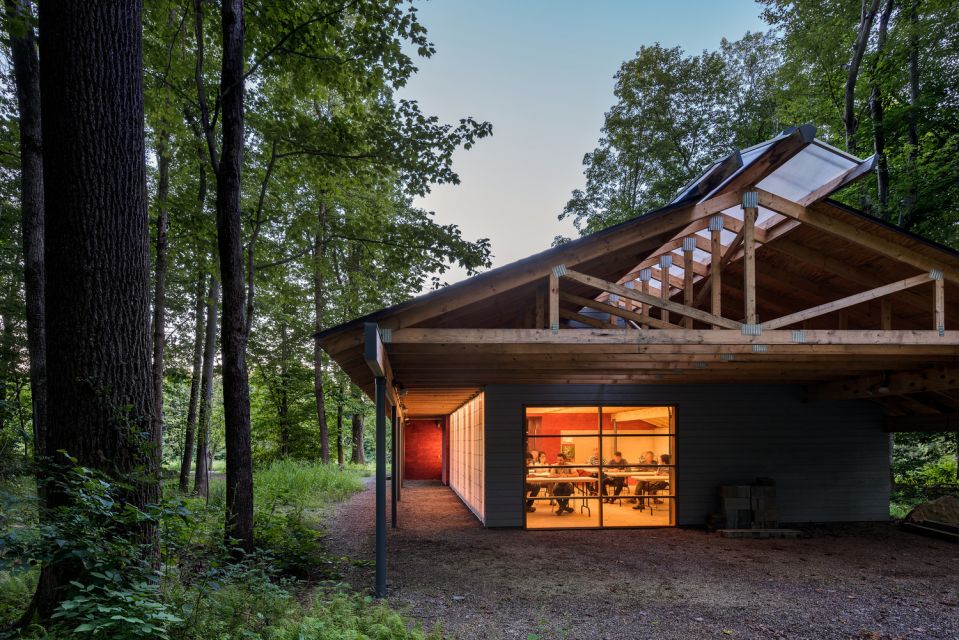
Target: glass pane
[[638, 420], [556, 420], [574, 449], [638, 451], [562, 510], [648, 511]]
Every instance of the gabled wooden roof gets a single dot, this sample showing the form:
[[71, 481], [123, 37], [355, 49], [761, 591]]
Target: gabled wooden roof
[[635, 303]]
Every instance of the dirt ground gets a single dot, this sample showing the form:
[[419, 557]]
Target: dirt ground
[[859, 581]]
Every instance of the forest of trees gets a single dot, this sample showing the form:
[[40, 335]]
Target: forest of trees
[[191, 189], [876, 76]]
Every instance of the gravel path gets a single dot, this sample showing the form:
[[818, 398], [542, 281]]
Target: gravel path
[[859, 581]]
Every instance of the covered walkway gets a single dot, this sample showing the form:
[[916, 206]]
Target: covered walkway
[[869, 581]]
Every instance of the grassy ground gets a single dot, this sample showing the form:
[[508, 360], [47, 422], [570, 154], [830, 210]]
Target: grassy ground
[[289, 589]]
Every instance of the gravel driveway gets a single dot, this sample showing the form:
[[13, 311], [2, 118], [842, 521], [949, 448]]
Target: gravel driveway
[[854, 581]]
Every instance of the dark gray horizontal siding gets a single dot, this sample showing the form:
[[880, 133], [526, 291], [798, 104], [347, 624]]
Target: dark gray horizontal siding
[[830, 460]]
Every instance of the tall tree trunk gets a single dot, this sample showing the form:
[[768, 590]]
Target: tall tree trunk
[[850, 122], [877, 112], [340, 457], [159, 290], [100, 396], [236, 384], [26, 72], [283, 391], [912, 130], [186, 461], [319, 251], [200, 484], [359, 453]]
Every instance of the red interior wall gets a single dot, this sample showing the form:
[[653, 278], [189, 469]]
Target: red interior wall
[[556, 423], [424, 450]]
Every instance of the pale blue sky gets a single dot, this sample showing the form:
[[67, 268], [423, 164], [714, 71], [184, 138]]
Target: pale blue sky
[[542, 72]]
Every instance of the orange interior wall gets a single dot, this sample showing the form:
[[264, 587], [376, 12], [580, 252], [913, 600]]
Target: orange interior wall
[[424, 450]]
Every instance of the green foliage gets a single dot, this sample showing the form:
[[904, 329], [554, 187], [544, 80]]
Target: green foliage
[[674, 113], [198, 590], [339, 615], [305, 485], [924, 468], [96, 536]]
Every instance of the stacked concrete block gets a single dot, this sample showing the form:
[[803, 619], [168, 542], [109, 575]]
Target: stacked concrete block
[[749, 506]]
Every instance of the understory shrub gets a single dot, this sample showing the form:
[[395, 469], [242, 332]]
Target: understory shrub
[[193, 587]]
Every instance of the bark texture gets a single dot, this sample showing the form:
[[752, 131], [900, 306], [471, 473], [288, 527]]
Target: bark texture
[[99, 391], [26, 73], [160, 277], [200, 482], [189, 439], [236, 387], [850, 122], [359, 453], [319, 254], [877, 112]]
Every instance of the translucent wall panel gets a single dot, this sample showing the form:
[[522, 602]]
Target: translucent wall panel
[[466, 454]]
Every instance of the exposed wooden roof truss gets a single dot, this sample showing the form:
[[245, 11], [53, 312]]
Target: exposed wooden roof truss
[[751, 275]]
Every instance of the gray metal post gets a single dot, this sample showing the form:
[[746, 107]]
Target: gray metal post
[[394, 430], [380, 487]]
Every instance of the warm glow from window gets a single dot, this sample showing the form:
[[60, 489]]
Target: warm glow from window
[[609, 466]]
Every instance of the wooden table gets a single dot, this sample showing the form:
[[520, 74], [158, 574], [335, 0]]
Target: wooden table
[[578, 482]]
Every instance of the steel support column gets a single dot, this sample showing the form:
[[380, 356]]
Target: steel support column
[[380, 487], [394, 431]]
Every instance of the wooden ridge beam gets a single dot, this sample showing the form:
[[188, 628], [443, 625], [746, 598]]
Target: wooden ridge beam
[[893, 384], [884, 339], [848, 301], [945, 355], [778, 152], [662, 303]]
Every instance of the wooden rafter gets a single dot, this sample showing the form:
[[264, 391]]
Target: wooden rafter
[[662, 303], [726, 259], [840, 269], [848, 301], [619, 312], [815, 216]]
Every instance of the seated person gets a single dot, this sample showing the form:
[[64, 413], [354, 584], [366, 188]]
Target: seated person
[[541, 461], [619, 463], [594, 461], [531, 489], [659, 485], [647, 465], [562, 489]]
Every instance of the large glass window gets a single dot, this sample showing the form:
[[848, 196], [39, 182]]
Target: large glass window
[[606, 466]]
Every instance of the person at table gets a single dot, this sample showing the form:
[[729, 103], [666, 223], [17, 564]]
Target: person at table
[[542, 461], [663, 472], [617, 463], [647, 465], [531, 489], [594, 461], [562, 490]]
